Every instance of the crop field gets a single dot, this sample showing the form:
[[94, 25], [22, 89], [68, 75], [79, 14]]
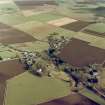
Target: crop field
[[8, 7], [8, 69], [12, 35], [76, 26], [27, 89], [92, 96], [69, 53], [96, 29], [94, 40], [42, 31], [25, 26], [19, 18], [46, 17], [72, 99], [62, 21], [6, 52], [31, 46], [32, 3], [11, 68]]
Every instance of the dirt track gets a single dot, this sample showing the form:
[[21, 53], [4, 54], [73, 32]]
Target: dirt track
[[2, 92], [72, 99]]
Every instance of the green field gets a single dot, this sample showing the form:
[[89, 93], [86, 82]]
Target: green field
[[8, 7], [98, 27], [27, 89], [44, 17], [5, 52], [93, 96], [31, 46]]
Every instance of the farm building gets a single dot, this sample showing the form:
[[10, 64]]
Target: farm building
[[79, 54], [18, 87]]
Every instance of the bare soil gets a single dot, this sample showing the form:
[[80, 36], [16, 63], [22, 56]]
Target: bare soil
[[9, 69], [79, 53], [31, 4], [72, 99], [76, 26], [10, 35]]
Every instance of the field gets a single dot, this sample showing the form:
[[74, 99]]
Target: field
[[62, 21], [31, 46], [72, 99], [11, 68], [8, 69], [76, 26], [28, 89], [90, 54], [6, 52], [32, 4], [94, 40], [25, 26], [42, 31], [96, 29], [92, 96], [12, 35]]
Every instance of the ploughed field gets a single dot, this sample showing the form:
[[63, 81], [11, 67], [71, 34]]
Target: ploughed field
[[9, 35], [76, 26], [8, 69], [77, 49], [72, 99], [30, 4]]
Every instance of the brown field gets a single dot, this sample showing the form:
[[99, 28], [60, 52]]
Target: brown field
[[11, 35], [94, 33], [30, 4], [9, 69], [2, 92], [72, 99], [79, 53], [76, 26]]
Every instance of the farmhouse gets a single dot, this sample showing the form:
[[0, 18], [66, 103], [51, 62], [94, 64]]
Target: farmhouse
[[79, 54]]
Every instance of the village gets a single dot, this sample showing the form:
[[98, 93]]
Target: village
[[52, 52]]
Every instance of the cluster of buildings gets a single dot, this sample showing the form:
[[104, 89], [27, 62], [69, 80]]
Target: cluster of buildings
[[81, 58]]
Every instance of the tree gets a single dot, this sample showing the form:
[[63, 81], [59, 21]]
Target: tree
[[40, 67], [1, 58]]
